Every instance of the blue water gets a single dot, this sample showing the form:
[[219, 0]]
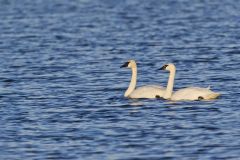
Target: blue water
[[61, 88]]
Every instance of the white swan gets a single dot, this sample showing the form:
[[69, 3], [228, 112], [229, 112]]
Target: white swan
[[149, 91], [190, 93]]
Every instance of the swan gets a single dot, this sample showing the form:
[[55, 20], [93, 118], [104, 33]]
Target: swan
[[149, 91], [190, 93]]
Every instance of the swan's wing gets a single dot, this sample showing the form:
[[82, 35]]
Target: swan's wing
[[147, 92], [194, 93]]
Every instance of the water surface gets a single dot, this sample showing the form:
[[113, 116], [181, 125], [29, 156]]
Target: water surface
[[61, 88]]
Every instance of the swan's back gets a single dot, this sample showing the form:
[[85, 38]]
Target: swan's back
[[194, 93], [149, 91]]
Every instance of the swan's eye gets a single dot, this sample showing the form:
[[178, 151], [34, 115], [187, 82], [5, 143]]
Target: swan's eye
[[164, 67], [125, 64]]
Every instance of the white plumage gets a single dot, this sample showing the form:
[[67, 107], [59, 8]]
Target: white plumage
[[149, 91], [194, 93], [190, 93]]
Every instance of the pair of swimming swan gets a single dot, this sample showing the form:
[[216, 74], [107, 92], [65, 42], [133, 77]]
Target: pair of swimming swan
[[154, 91]]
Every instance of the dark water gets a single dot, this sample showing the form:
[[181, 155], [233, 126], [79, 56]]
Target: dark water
[[61, 94]]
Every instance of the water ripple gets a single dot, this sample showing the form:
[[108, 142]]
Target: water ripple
[[62, 88]]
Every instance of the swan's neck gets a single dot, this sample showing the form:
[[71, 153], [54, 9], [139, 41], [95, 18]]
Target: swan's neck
[[169, 90], [133, 82]]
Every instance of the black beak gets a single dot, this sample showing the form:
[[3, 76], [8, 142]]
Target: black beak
[[125, 65], [163, 67]]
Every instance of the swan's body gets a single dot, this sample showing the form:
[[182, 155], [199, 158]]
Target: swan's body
[[190, 93], [194, 93], [149, 91]]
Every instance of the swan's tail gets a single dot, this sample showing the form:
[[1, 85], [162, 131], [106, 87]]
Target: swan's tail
[[213, 96]]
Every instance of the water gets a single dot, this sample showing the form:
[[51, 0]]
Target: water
[[61, 88]]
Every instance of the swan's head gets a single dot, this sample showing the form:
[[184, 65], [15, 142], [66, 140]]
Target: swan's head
[[168, 67], [129, 64]]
